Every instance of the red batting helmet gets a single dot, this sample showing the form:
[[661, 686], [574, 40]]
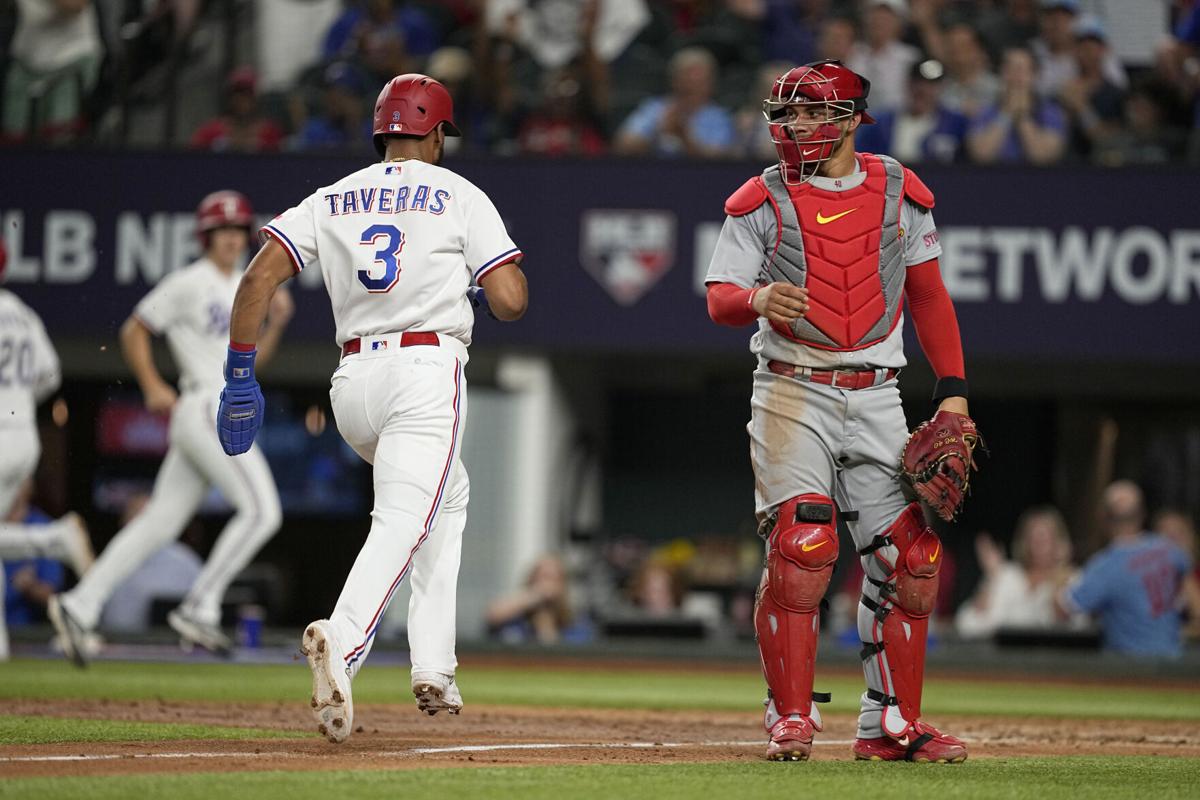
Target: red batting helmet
[[223, 209], [412, 105], [802, 144]]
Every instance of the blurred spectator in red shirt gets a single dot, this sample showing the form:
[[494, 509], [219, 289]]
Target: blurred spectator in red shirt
[[243, 127], [564, 124], [1178, 526]]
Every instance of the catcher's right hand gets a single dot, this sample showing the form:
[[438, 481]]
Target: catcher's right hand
[[938, 458]]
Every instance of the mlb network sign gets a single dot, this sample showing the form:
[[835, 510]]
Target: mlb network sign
[[145, 247], [1137, 265]]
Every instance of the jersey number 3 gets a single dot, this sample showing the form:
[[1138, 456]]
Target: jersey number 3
[[388, 255]]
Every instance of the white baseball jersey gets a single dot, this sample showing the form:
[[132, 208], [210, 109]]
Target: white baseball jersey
[[191, 308], [400, 244], [29, 368]]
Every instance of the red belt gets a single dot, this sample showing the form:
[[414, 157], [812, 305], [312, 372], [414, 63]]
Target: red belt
[[407, 339], [838, 378]]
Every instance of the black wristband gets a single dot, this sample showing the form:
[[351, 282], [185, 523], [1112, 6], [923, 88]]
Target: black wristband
[[949, 386]]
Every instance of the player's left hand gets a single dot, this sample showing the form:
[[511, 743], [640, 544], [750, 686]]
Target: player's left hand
[[240, 413], [938, 458], [479, 300]]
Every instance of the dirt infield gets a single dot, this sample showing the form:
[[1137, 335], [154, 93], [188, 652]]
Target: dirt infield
[[398, 737]]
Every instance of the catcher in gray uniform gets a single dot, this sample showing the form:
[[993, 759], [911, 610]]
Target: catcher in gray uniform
[[821, 251]]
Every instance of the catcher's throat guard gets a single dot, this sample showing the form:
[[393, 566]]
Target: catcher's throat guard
[[802, 548]]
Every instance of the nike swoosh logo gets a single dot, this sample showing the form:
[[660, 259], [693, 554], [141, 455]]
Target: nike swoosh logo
[[824, 220], [933, 556], [809, 548], [808, 153]]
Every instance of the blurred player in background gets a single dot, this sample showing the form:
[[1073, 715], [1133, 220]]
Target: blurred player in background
[[29, 374], [820, 251], [191, 308], [404, 246]]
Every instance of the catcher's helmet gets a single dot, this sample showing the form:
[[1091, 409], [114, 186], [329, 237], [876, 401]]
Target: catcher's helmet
[[223, 209], [801, 144], [412, 105]]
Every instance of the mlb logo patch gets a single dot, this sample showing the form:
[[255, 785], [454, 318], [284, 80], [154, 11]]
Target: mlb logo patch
[[395, 127], [241, 372], [379, 345], [627, 251]]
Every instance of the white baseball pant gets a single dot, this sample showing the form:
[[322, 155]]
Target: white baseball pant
[[842, 443], [403, 410]]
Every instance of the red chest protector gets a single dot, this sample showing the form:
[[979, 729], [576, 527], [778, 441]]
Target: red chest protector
[[841, 233], [845, 247]]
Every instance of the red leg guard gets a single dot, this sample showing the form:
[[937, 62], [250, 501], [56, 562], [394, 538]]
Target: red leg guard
[[800, 559], [902, 617]]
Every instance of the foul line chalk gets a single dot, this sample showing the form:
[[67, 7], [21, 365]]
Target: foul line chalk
[[416, 751]]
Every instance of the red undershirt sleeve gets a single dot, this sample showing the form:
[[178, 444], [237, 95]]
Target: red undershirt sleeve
[[933, 317], [729, 304]]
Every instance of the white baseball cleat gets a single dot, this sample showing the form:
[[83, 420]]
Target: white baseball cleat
[[76, 544], [193, 631], [71, 634], [436, 692], [332, 706]]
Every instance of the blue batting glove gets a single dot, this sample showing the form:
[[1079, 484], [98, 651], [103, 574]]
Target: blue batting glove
[[241, 410], [479, 300]]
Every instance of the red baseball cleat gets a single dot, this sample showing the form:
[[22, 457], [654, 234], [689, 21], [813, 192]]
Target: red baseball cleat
[[791, 740], [924, 744]]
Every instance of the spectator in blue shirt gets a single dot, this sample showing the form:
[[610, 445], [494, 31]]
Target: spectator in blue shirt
[[922, 130], [1022, 127], [1133, 586], [684, 122], [343, 123]]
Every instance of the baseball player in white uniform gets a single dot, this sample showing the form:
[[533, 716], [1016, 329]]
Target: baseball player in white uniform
[[29, 374], [191, 308], [405, 248]]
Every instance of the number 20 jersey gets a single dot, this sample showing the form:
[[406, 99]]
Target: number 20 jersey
[[398, 244]]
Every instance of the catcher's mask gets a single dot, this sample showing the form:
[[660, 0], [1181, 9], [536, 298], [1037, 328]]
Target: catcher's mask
[[804, 114]]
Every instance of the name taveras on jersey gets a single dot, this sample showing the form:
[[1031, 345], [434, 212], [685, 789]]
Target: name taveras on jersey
[[387, 200]]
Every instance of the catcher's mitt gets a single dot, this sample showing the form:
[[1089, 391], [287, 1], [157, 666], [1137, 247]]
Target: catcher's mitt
[[938, 458]]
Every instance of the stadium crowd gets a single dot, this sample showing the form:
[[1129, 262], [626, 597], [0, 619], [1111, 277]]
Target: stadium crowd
[[987, 81]]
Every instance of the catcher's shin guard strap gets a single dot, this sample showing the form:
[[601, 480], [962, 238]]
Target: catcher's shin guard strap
[[802, 549], [896, 639], [881, 540]]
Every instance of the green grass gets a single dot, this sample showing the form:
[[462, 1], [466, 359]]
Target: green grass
[[1018, 779], [52, 730], [587, 688]]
